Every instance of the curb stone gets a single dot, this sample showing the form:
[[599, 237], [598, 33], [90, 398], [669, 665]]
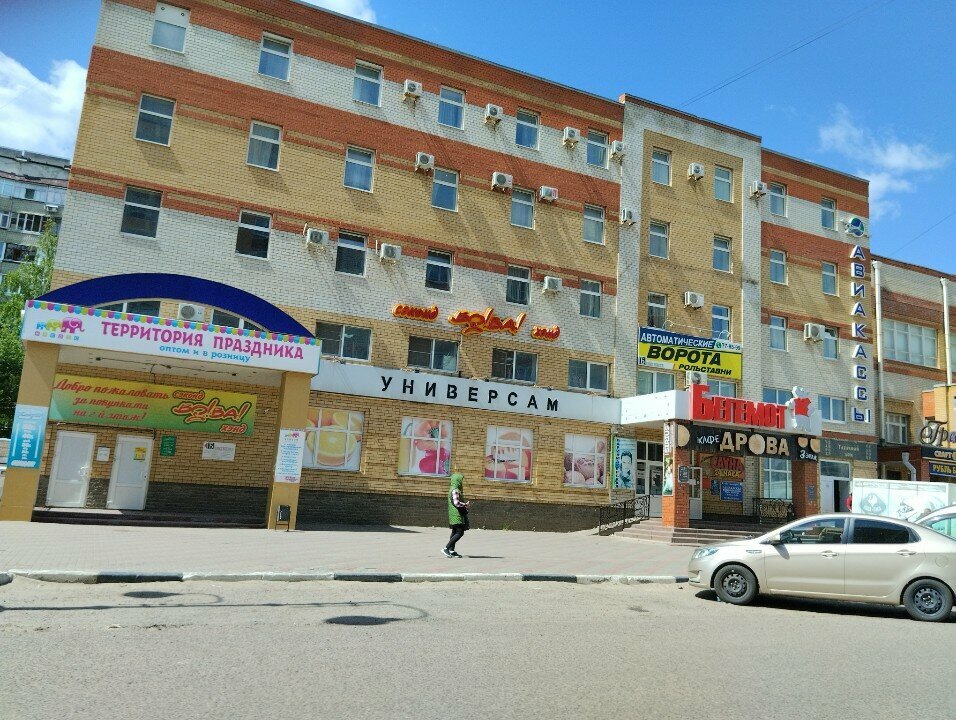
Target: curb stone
[[5, 578]]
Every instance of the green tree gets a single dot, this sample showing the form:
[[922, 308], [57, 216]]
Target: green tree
[[27, 282]]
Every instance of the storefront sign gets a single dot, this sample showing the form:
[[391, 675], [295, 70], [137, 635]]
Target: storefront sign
[[371, 381], [670, 440], [798, 414], [542, 332], [858, 331], [100, 329], [848, 449], [167, 446], [289, 455], [673, 351], [936, 433], [942, 469], [224, 452], [415, 312], [26, 436], [936, 453], [731, 491], [477, 323], [749, 442], [101, 401]]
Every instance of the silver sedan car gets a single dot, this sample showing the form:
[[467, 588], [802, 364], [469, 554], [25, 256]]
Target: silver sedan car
[[860, 558]]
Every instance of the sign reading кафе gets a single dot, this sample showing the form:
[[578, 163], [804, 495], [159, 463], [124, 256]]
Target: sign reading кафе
[[673, 351]]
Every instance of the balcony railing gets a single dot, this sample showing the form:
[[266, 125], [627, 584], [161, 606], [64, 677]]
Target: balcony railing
[[616, 516]]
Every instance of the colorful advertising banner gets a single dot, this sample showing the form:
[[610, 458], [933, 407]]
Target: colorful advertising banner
[[26, 437], [942, 469], [99, 401], [333, 439], [623, 451], [720, 359]]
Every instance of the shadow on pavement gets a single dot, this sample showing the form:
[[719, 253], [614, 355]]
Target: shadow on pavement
[[827, 607], [312, 527]]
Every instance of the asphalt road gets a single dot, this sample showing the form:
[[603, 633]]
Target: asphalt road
[[457, 650]]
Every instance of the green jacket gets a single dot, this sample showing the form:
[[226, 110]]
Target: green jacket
[[455, 516]]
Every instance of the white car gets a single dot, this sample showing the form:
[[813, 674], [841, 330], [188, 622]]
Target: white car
[[942, 520], [859, 558]]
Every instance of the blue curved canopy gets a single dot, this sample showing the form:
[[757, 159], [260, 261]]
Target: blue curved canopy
[[184, 288]]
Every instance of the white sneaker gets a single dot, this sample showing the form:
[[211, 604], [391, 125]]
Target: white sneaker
[[447, 553]]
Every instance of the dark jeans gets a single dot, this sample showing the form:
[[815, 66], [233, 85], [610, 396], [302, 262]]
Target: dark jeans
[[456, 532]]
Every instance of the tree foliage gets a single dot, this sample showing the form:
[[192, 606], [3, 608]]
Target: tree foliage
[[27, 282]]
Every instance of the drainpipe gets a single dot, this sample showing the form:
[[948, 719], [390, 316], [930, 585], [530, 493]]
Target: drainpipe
[[909, 466], [878, 289], [949, 354]]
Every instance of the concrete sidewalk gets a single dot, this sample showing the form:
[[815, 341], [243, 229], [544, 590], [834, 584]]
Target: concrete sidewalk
[[29, 548]]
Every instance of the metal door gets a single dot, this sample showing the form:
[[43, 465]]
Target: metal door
[[70, 474], [130, 473]]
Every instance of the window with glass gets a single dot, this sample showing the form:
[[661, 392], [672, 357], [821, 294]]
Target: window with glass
[[720, 322], [141, 212], [659, 240], [656, 310], [526, 129], [358, 169], [344, 341], [451, 107], [438, 270], [945, 525], [597, 148], [169, 27], [723, 183], [652, 381], [778, 333], [585, 460], [367, 85], [18, 253], [522, 208], [264, 146], [155, 120], [897, 428], [518, 286], [824, 531], [253, 234], [508, 454], [433, 354], [722, 253], [661, 167], [221, 317], [829, 278], [909, 343], [514, 365], [445, 189], [586, 375], [724, 388], [425, 447], [776, 476], [135, 307], [590, 298], [778, 199], [777, 396], [5, 217], [30, 223], [778, 267], [833, 409], [831, 343], [275, 56], [350, 254], [594, 224], [333, 439], [828, 213], [880, 532]]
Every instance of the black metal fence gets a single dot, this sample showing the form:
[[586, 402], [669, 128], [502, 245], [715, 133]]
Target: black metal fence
[[618, 515], [774, 510]]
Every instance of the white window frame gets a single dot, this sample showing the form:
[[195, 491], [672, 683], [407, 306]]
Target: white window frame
[[827, 405], [141, 110], [370, 164], [831, 340], [438, 262], [830, 209], [664, 161], [431, 359], [727, 251], [438, 180], [728, 318], [527, 200], [778, 328], [536, 126], [124, 307], [596, 218], [776, 473], [443, 443], [778, 190], [279, 40], [592, 289], [5, 216], [254, 228], [666, 236], [18, 226], [829, 270], [780, 396], [651, 297], [601, 141], [897, 428], [168, 12], [590, 366], [894, 330], [242, 323], [157, 208], [267, 140], [778, 258], [356, 78], [518, 280], [727, 182], [514, 364], [352, 241], [460, 104], [720, 388], [343, 328], [657, 382]]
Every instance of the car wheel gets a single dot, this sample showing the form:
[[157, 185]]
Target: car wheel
[[735, 584], [928, 600]]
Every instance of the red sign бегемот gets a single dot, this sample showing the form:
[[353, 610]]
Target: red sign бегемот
[[734, 411]]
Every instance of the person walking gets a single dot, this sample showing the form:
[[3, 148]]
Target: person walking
[[457, 514]]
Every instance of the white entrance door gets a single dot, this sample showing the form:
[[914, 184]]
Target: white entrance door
[[130, 473], [834, 486], [696, 511], [70, 474]]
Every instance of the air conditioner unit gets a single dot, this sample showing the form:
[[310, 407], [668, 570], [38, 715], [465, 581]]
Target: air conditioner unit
[[814, 332], [693, 299], [52, 208], [627, 216], [548, 194], [389, 253], [695, 171], [758, 189], [424, 161], [501, 181], [571, 136], [695, 377], [617, 149], [494, 113], [190, 312], [551, 284], [412, 90], [316, 237]]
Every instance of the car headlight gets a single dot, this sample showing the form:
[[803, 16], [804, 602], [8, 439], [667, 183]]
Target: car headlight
[[700, 553]]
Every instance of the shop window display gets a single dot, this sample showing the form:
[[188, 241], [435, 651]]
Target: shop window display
[[585, 461], [425, 447], [508, 454], [333, 439]]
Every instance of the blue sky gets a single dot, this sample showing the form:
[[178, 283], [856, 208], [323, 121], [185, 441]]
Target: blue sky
[[875, 98]]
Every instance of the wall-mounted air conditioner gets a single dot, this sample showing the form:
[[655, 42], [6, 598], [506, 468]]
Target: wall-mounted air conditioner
[[693, 299], [493, 114], [695, 377], [389, 253], [551, 284], [627, 216], [571, 136], [814, 332], [548, 194], [424, 161], [758, 189], [191, 313], [412, 90], [695, 171], [501, 181], [316, 238], [618, 148]]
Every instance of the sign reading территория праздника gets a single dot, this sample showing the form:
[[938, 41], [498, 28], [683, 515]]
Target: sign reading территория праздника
[[672, 351]]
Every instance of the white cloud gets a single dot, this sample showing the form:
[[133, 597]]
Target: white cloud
[[38, 115], [884, 159], [360, 9]]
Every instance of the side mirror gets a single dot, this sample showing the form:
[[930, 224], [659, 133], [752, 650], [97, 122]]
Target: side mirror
[[775, 539]]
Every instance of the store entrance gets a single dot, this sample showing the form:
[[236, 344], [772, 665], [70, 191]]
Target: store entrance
[[834, 486]]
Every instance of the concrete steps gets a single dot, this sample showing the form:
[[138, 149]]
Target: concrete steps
[[651, 530], [140, 518]]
